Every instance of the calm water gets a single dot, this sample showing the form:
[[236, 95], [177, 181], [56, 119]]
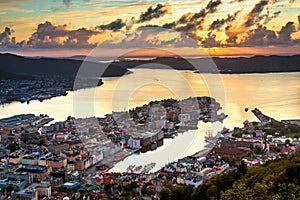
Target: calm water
[[275, 94]]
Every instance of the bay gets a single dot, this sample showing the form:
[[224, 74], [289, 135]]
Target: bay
[[275, 94]]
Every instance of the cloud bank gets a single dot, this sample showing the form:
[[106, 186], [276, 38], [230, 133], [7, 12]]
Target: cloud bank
[[237, 30]]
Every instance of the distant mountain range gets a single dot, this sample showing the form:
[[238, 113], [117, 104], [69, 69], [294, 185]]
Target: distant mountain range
[[256, 64], [18, 65], [12, 66]]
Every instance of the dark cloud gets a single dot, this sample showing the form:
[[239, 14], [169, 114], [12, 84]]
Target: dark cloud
[[284, 35], [252, 32], [267, 18], [7, 41], [113, 26], [260, 36], [231, 40], [149, 37], [210, 41], [189, 27], [201, 14], [189, 23], [81, 35], [148, 26], [232, 36], [51, 36], [153, 13], [169, 25], [253, 16], [217, 24], [5, 36], [212, 6], [48, 29]]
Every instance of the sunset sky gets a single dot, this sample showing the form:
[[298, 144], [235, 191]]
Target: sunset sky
[[219, 27]]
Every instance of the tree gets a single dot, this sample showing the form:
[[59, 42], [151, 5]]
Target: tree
[[289, 191], [287, 141], [107, 187], [242, 169], [13, 146], [275, 180], [178, 193], [258, 150], [213, 192], [188, 191], [260, 191], [165, 194], [239, 191]]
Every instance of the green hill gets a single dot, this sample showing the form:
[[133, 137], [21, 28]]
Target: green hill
[[277, 179]]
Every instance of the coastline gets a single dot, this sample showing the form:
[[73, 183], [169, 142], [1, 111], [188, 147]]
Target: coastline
[[203, 152]]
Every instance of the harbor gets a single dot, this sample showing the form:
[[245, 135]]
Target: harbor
[[91, 168]]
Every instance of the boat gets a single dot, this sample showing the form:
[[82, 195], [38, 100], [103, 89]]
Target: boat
[[225, 130], [130, 168], [102, 167], [205, 119], [64, 93], [23, 99], [34, 97], [44, 97], [138, 169], [148, 167]]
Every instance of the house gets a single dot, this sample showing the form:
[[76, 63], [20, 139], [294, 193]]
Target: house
[[70, 186], [26, 195], [38, 172]]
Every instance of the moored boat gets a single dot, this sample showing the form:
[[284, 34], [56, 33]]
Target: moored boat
[[138, 169]]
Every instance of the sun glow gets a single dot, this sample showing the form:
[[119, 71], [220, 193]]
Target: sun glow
[[220, 36]]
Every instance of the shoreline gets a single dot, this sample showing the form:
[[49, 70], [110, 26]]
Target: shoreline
[[206, 149]]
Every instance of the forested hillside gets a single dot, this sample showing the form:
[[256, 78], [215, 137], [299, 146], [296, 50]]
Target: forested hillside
[[277, 179]]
